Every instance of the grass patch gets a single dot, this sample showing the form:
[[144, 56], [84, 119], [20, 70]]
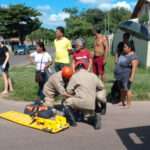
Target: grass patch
[[26, 88], [24, 83], [141, 85]]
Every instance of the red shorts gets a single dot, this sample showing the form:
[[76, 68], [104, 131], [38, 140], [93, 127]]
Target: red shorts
[[98, 65]]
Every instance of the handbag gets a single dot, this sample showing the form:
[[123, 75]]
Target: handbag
[[39, 74]]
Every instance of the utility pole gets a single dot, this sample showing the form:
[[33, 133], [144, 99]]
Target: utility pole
[[105, 24], [108, 16]]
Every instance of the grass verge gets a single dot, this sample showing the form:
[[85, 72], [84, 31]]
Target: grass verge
[[26, 88]]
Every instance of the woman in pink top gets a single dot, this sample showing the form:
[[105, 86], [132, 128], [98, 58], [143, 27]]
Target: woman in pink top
[[81, 54]]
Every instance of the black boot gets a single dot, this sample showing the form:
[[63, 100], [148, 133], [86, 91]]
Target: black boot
[[97, 121], [97, 117], [103, 108], [70, 116]]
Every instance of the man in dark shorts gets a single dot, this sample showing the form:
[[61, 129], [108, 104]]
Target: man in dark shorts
[[100, 54]]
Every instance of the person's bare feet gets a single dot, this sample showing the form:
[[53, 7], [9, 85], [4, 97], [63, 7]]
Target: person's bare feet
[[128, 105], [123, 104], [120, 104], [4, 93], [11, 90]]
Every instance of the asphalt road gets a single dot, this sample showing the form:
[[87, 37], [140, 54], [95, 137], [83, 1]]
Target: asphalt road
[[122, 129], [19, 60]]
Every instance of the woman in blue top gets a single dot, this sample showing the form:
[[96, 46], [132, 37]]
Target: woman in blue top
[[125, 71]]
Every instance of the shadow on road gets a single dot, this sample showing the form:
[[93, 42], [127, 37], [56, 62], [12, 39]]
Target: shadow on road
[[137, 138]]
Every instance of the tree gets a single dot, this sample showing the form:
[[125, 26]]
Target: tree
[[42, 34], [82, 23], [76, 24], [116, 16], [95, 17], [18, 21], [71, 11], [77, 27]]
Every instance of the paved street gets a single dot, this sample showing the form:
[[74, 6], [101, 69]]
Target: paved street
[[105, 35], [122, 129], [19, 60]]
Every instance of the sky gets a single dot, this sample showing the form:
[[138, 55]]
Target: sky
[[52, 10]]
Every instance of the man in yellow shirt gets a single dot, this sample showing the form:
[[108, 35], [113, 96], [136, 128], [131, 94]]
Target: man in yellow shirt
[[63, 48]]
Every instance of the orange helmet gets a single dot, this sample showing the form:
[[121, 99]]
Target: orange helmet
[[67, 72]]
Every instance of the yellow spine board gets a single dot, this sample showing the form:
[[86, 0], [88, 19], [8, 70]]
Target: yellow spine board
[[55, 125]]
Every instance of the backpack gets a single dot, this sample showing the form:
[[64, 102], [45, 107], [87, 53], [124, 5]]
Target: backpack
[[115, 95]]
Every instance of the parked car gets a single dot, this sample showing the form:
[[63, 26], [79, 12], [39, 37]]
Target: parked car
[[31, 48], [23, 49]]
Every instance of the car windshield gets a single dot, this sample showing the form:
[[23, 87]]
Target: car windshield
[[20, 46]]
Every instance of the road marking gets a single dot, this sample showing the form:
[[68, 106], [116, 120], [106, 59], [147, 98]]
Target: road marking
[[135, 138]]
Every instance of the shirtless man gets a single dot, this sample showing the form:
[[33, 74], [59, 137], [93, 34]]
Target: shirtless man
[[100, 54]]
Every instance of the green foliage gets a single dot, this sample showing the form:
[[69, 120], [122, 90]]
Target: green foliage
[[42, 34], [141, 85], [144, 18], [18, 21], [26, 88], [82, 23], [24, 83], [77, 27], [90, 43], [95, 17], [71, 11], [116, 16]]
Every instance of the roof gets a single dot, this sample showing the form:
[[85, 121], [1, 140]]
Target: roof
[[138, 8]]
